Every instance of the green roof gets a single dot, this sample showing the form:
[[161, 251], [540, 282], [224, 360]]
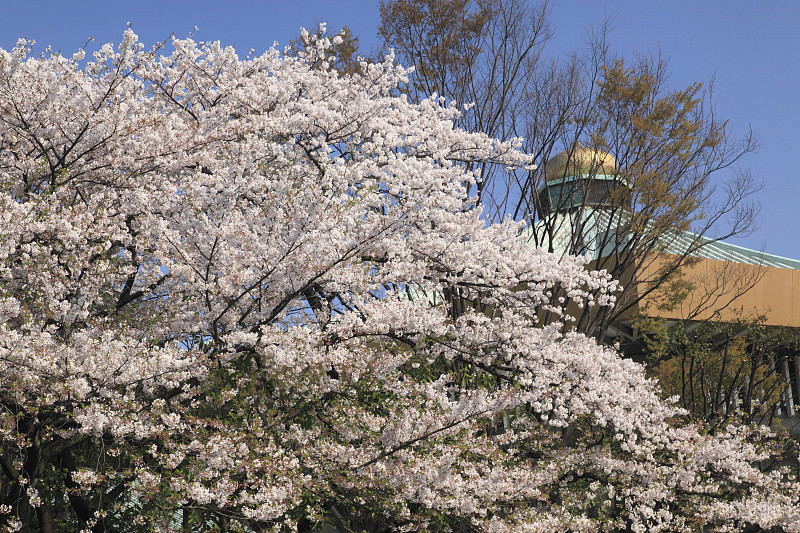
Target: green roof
[[723, 251], [677, 243]]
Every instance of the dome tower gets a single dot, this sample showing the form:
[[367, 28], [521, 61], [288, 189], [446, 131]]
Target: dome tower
[[581, 178]]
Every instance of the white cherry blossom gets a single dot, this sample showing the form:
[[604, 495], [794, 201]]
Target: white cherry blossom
[[254, 291]]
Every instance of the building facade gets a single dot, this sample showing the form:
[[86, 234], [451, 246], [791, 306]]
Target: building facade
[[586, 206]]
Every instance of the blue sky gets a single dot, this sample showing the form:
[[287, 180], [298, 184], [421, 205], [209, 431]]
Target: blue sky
[[751, 48]]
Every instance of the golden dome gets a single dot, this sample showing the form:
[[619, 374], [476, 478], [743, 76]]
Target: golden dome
[[579, 160]]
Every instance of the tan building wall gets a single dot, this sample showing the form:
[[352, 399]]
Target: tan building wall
[[733, 288]]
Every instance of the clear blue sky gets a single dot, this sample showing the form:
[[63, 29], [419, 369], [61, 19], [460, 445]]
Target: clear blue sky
[[753, 49]]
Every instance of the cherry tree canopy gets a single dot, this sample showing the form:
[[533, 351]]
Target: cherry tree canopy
[[218, 311]]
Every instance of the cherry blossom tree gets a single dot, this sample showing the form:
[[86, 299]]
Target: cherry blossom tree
[[221, 310]]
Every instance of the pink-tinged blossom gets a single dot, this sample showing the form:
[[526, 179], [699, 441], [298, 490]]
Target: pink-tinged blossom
[[257, 289]]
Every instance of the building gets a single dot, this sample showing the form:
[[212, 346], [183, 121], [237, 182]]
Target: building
[[585, 206]]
